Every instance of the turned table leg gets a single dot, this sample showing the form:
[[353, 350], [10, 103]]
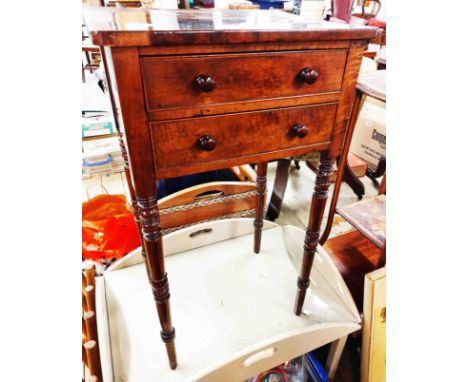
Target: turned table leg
[[319, 200], [152, 243], [123, 149], [146, 216], [131, 190], [145, 208], [259, 204]]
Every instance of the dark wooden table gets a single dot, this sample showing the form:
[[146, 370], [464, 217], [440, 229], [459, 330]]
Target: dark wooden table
[[200, 90]]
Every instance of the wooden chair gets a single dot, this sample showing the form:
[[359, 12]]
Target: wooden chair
[[89, 64], [210, 201], [367, 16], [359, 252], [369, 9], [364, 250], [89, 337], [206, 202], [369, 12]]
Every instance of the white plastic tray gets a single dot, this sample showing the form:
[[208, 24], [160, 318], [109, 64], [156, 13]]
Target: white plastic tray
[[232, 309]]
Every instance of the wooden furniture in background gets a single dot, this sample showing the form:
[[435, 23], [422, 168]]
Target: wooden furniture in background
[[90, 51], [245, 173], [207, 202], [359, 252], [368, 217], [89, 337], [370, 85], [381, 63], [369, 9], [354, 255], [237, 87], [341, 13]]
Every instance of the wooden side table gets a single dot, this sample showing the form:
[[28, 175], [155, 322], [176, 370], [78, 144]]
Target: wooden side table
[[200, 90], [364, 250], [370, 85]]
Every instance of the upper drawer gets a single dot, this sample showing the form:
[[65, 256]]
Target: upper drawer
[[177, 82]]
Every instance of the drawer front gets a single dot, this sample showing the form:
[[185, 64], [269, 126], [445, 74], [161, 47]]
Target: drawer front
[[192, 142], [177, 82]]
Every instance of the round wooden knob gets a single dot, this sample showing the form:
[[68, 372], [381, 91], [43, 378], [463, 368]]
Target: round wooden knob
[[205, 83], [300, 130], [308, 75], [205, 142]]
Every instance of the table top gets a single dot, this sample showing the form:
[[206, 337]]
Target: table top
[[368, 217], [374, 85], [144, 27]]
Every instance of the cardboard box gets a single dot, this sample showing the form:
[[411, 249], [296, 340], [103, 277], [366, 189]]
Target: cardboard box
[[369, 139]]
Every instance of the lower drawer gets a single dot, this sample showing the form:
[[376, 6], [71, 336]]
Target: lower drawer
[[192, 143]]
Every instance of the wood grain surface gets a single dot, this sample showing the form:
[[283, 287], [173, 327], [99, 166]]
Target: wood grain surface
[[239, 77], [355, 256], [237, 136], [145, 27], [251, 105], [368, 216]]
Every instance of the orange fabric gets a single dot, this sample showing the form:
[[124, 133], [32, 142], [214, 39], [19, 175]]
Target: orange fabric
[[109, 230]]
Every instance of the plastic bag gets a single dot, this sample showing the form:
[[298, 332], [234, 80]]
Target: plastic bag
[[109, 230]]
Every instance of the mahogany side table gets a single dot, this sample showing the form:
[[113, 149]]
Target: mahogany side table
[[194, 91]]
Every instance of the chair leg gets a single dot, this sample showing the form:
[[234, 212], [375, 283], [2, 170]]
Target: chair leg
[[353, 181], [379, 171], [279, 188]]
